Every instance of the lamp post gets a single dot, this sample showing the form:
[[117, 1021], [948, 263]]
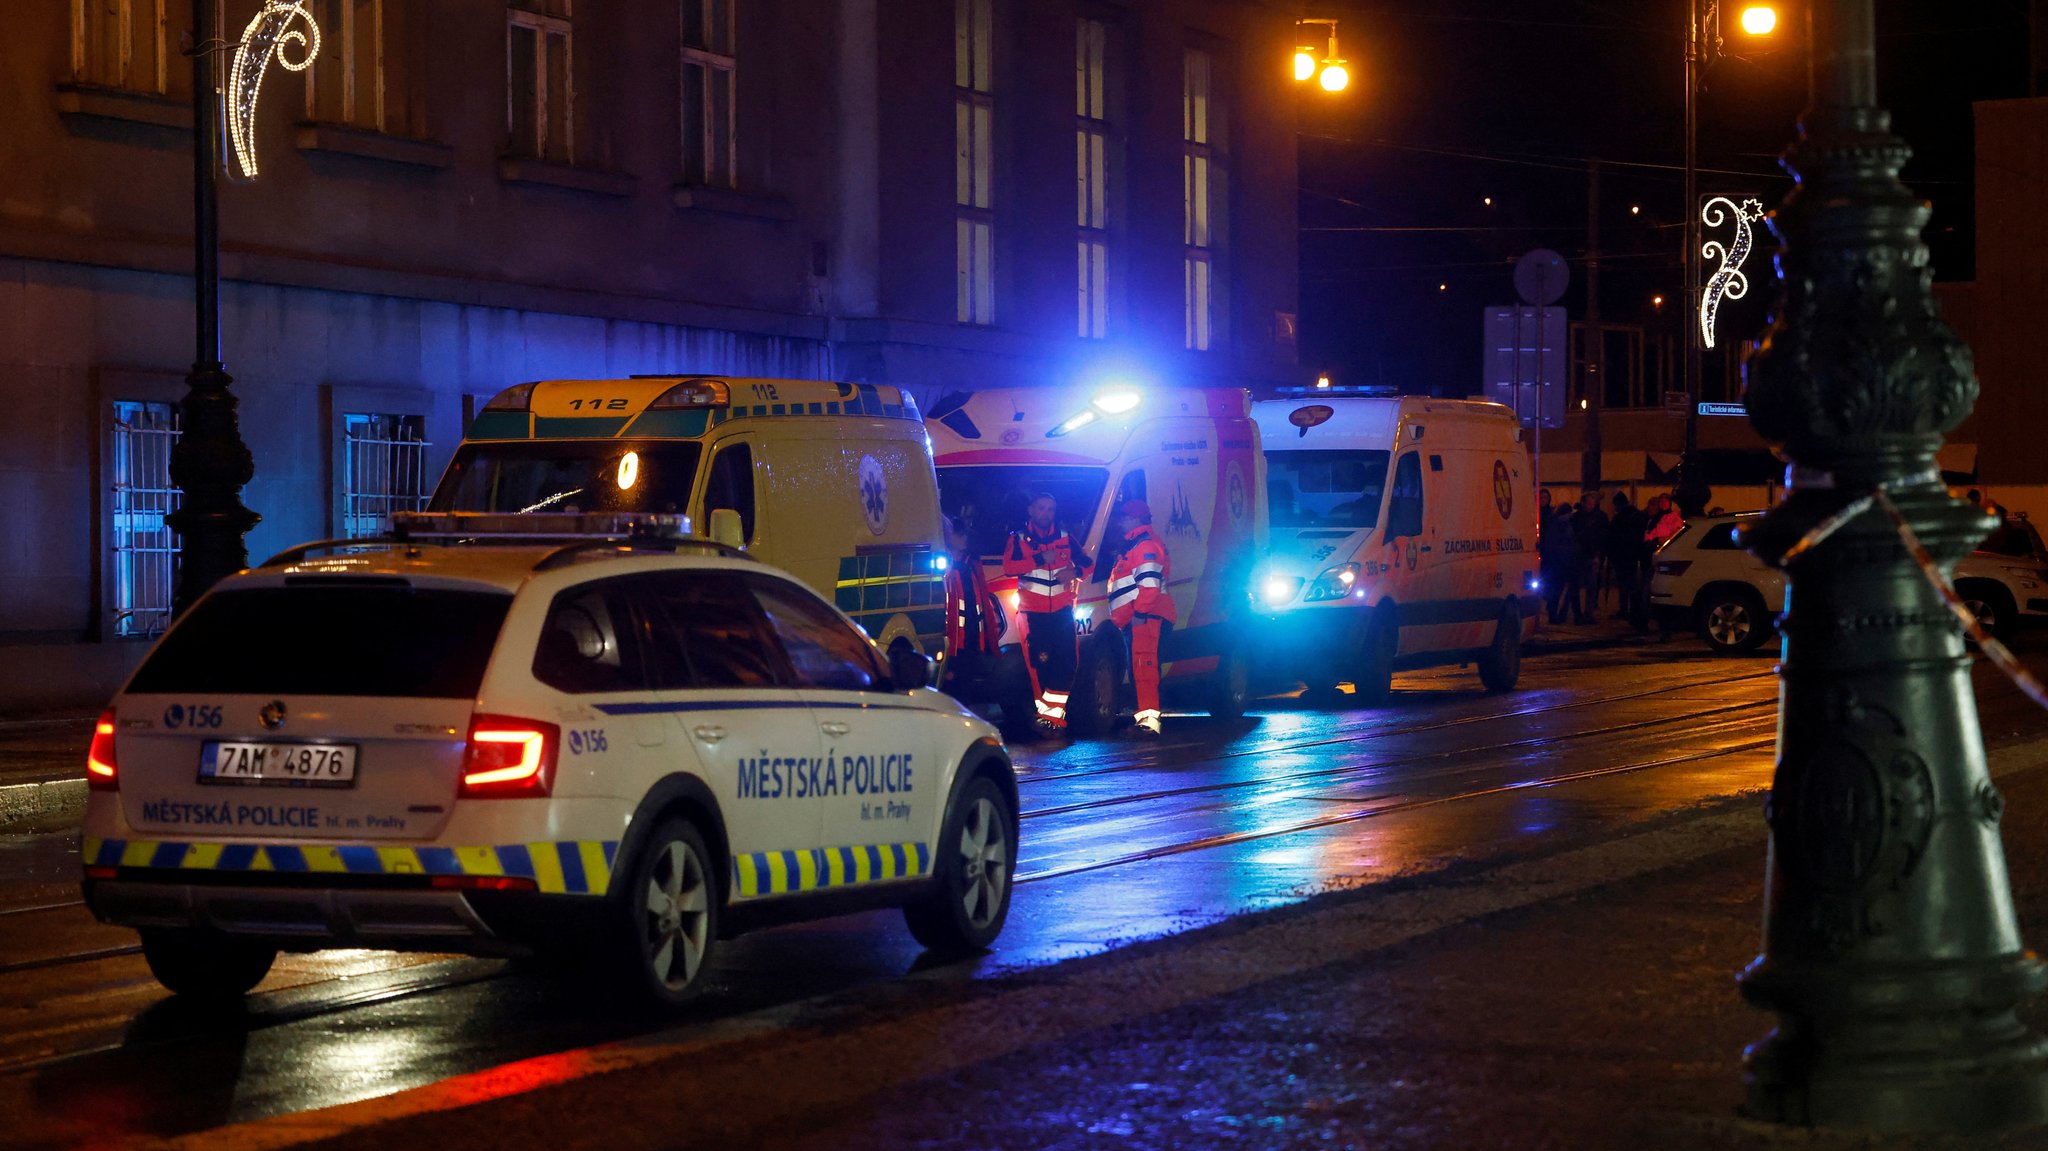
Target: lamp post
[[1892, 954], [209, 462], [1702, 48]]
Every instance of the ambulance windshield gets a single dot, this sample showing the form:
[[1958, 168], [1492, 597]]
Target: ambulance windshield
[[1325, 489], [570, 476], [993, 499]]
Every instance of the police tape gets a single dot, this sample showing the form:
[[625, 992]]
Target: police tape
[[2001, 657]]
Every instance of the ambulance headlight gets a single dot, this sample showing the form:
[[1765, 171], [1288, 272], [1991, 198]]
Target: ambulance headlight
[[1117, 401], [1334, 583], [1280, 589]]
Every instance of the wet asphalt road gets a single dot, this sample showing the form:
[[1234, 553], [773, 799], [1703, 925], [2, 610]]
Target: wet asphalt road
[[1121, 841]]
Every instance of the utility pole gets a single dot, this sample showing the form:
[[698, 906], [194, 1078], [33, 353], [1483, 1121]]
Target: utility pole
[[1892, 954], [210, 463], [1596, 348]]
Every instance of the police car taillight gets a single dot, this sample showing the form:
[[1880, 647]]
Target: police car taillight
[[100, 772], [509, 758]]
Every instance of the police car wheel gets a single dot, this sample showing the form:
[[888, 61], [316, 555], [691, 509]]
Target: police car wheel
[[1732, 621], [1501, 664], [672, 914], [205, 964], [974, 864]]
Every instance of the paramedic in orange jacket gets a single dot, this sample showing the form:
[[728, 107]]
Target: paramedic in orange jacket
[[1139, 603], [1047, 562]]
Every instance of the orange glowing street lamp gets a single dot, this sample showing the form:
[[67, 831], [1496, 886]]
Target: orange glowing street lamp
[[1320, 62]]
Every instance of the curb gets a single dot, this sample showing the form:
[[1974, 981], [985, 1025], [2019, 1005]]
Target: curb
[[27, 803]]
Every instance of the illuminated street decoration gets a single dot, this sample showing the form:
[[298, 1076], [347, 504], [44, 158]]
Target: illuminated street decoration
[[266, 38], [1728, 281]]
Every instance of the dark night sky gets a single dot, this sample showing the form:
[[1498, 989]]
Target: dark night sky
[[1456, 100]]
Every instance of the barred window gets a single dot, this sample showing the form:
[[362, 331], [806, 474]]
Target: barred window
[[118, 44], [539, 82], [384, 470], [1091, 165], [1202, 178], [710, 81], [974, 113], [145, 549]]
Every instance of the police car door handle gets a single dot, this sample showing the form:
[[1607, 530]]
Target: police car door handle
[[834, 727], [708, 732]]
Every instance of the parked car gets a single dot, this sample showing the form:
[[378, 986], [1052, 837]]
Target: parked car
[[1705, 580]]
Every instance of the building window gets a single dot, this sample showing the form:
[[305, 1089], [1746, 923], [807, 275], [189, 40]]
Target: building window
[[539, 82], [145, 548], [118, 44], [710, 78], [974, 111], [359, 77], [1091, 167], [384, 470], [1202, 187]]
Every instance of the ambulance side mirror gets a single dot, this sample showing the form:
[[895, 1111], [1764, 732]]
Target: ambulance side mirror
[[909, 668], [725, 528]]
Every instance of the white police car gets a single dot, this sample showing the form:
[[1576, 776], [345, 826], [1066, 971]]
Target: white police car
[[500, 735]]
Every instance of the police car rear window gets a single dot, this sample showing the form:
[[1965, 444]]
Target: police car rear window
[[330, 640]]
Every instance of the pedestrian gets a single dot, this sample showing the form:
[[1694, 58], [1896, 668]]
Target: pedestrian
[[1589, 528], [1555, 540], [1046, 563], [1625, 559], [974, 634], [1664, 522], [1140, 604]]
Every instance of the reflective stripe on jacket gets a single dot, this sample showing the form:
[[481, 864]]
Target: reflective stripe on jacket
[[1036, 561], [1138, 584]]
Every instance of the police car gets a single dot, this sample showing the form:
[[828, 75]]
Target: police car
[[589, 735]]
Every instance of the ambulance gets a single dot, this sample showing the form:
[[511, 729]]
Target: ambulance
[[1404, 534], [830, 482], [1191, 453]]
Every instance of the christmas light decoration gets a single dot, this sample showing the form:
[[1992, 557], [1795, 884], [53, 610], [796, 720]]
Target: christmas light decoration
[[267, 38], [1728, 281]]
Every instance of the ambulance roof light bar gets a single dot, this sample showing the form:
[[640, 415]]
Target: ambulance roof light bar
[[693, 394], [1115, 401], [517, 398]]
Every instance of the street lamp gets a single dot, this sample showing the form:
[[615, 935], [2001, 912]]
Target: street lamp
[[1330, 70], [209, 461], [1702, 48]]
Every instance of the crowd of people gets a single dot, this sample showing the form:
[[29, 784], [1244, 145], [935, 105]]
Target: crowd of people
[[1585, 548]]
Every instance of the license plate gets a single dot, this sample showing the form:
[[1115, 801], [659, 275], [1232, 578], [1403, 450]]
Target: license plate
[[285, 764]]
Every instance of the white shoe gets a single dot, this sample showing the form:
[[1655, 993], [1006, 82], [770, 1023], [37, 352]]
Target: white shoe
[[1147, 722]]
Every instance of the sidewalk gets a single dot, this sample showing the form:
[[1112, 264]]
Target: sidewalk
[[42, 771]]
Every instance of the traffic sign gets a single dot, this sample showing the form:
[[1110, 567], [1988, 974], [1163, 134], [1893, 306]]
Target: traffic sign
[[1723, 410], [1527, 362]]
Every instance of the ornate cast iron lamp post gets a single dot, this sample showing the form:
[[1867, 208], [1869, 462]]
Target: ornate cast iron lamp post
[[210, 463], [1892, 953]]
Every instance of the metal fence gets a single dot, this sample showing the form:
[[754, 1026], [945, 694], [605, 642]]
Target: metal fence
[[384, 470], [145, 549]]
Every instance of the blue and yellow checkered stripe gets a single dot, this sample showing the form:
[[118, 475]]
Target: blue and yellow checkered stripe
[[789, 872], [562, 868], [891, 583]]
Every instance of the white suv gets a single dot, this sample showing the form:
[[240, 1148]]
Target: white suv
[[1705, 580], [617, 748]]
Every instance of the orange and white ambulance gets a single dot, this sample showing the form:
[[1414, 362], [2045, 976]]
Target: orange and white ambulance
[[1404, 534], [1191, 453]]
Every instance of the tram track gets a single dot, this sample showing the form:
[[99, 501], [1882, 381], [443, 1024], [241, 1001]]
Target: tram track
[[1355, 769], [1202, 843], [1396, 731]]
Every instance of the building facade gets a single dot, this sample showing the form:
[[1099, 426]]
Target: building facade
[[459, 195]]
